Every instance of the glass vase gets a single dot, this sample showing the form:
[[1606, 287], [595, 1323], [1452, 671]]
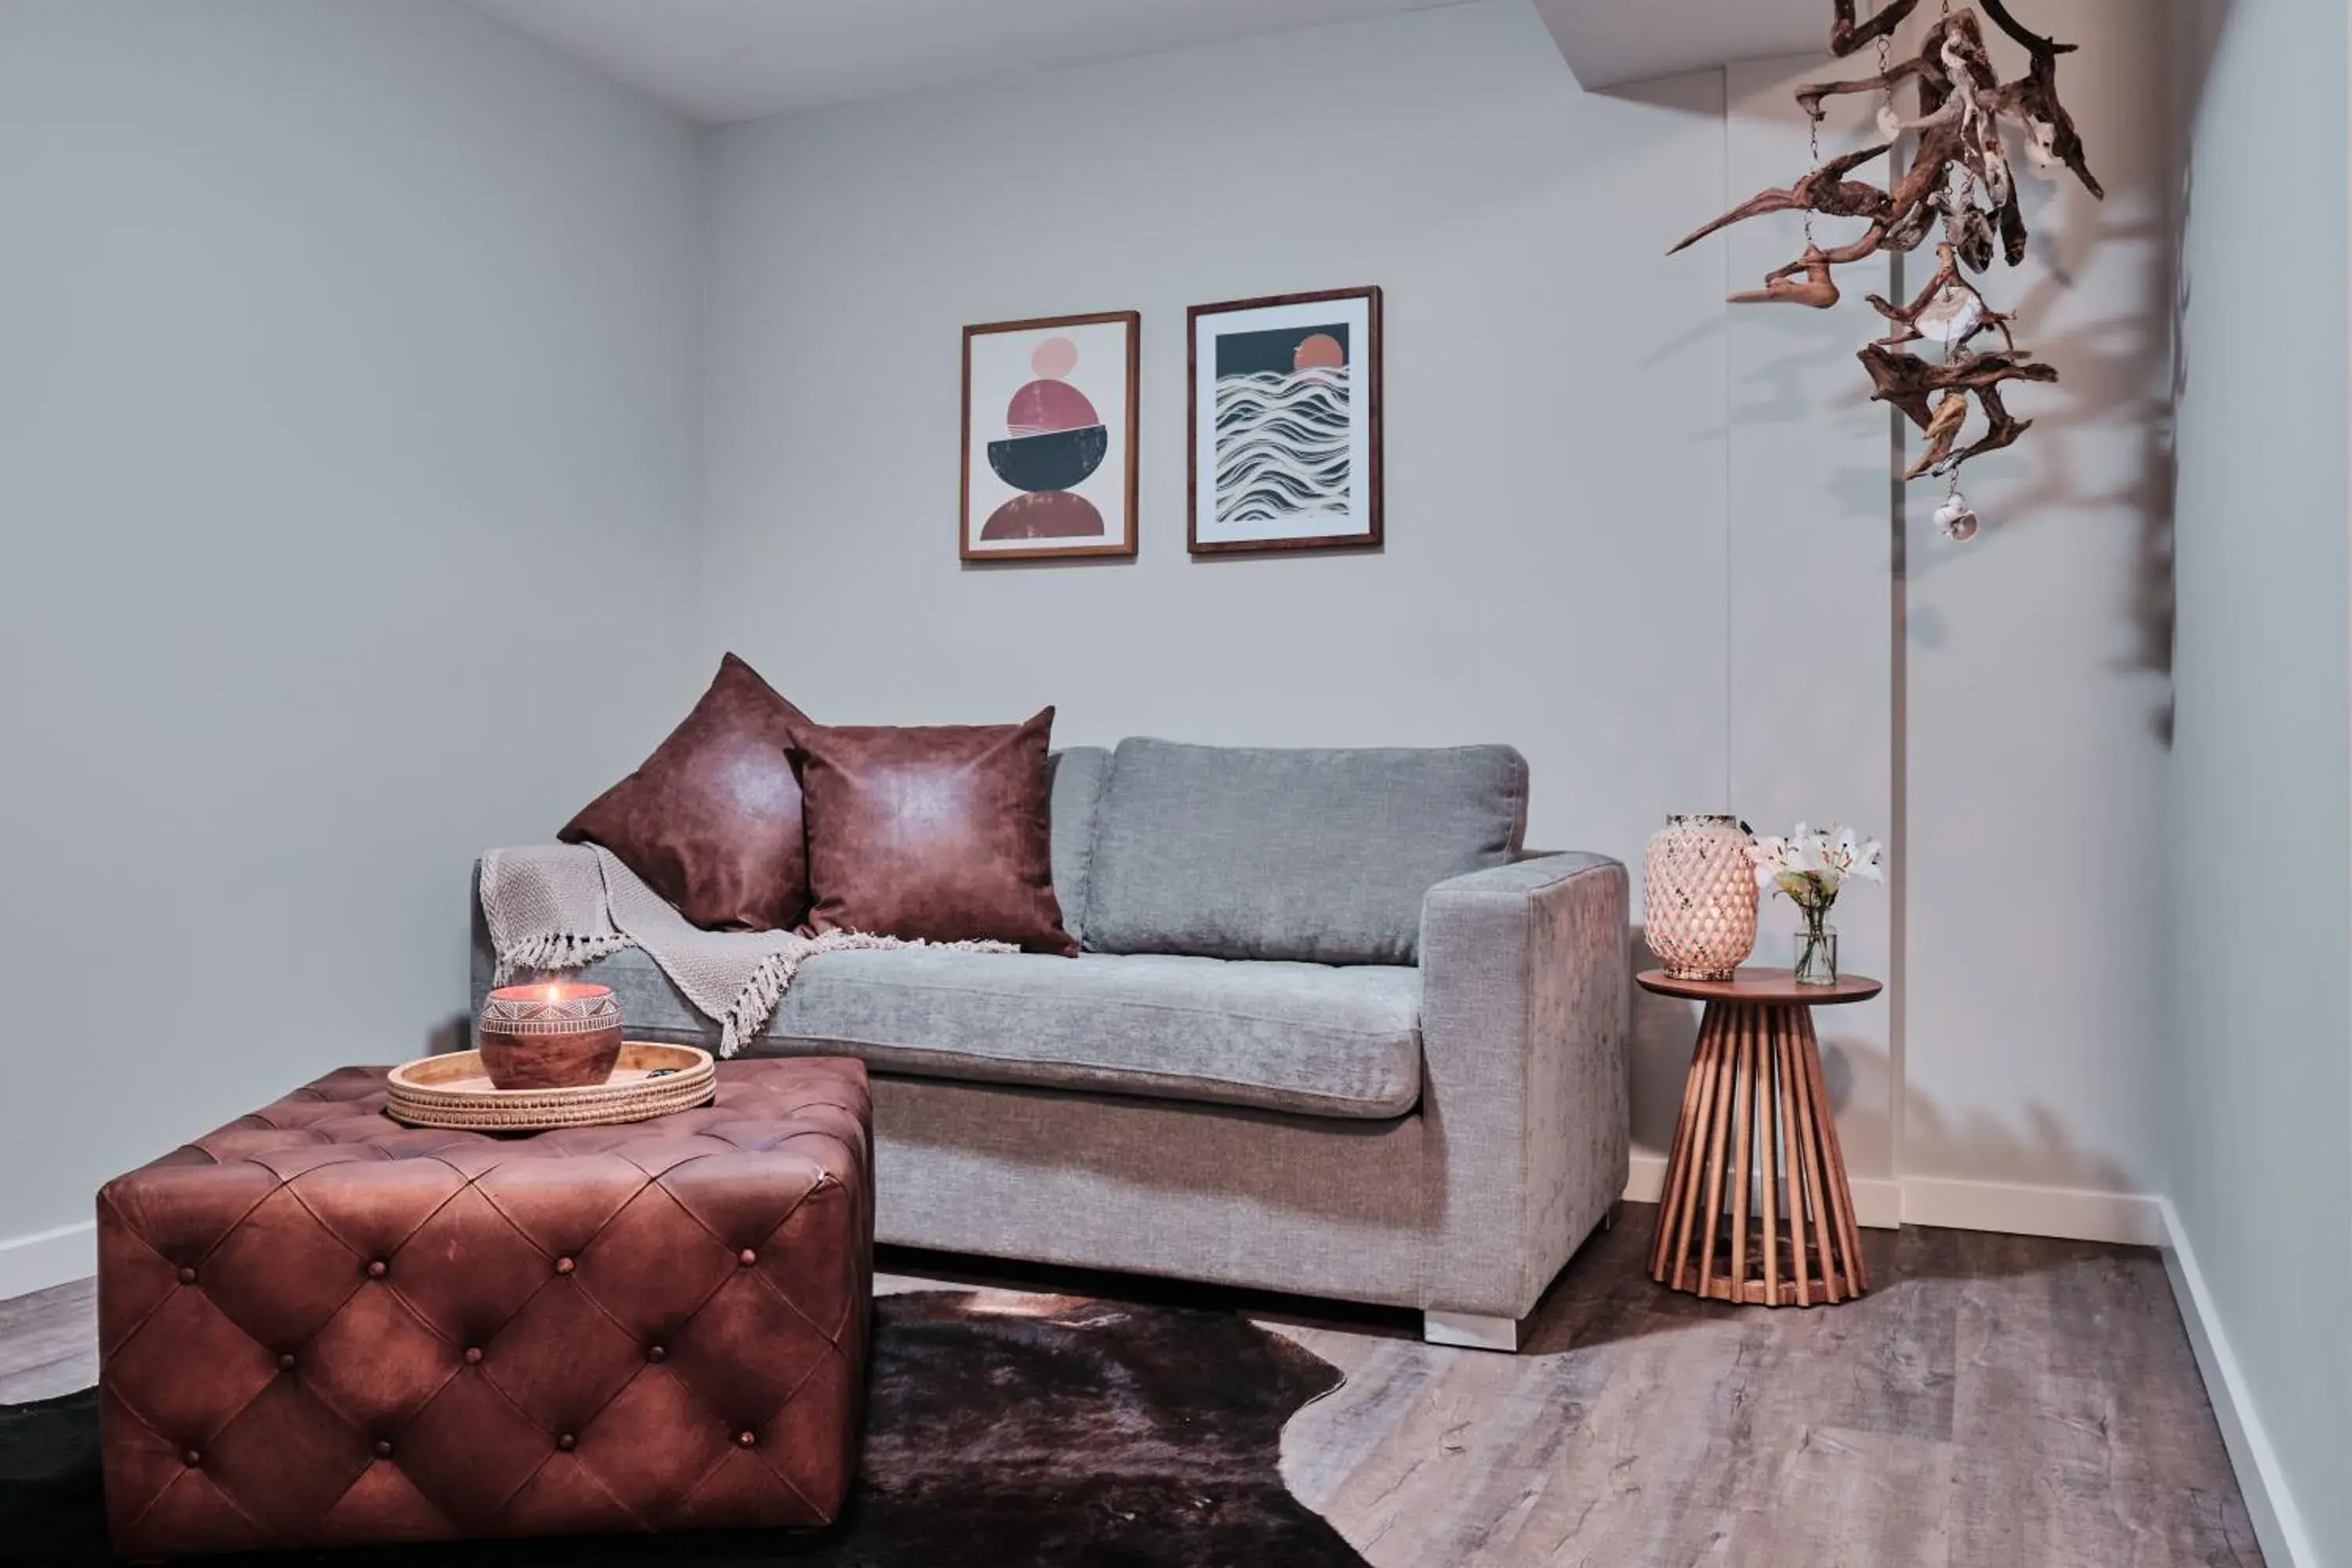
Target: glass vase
[[1817, 951]]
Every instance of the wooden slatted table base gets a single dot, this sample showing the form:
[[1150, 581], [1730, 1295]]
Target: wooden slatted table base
[[1820, 1289], [1757, 1210]]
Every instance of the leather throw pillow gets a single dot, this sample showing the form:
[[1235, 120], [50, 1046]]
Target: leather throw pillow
[[712, 819], [942, 834]]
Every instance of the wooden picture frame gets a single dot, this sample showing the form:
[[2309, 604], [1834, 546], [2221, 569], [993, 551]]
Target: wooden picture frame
[[1316, 361], [1056, 473]]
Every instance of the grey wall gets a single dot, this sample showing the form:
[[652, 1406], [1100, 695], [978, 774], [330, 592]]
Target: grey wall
[[2259, 1087], [1648, 540], [1554, 402], [347, 476], [2036, 698]]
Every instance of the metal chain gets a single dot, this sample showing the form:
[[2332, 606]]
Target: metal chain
[[1886, 82], [1813, 130]]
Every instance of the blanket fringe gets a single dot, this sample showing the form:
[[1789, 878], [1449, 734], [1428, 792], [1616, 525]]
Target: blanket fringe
[[554, 951], [558, 909]]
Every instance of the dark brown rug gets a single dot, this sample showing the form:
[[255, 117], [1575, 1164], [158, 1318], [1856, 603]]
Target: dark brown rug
[[1002, 1429]]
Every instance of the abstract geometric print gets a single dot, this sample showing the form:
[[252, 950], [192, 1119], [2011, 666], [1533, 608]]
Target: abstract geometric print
[[1049, 436], [1056, 441]]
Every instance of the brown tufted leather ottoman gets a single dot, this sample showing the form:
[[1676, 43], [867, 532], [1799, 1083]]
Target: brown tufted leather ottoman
[[318, 1326]]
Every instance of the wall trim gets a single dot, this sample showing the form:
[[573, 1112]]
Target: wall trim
[[47, 1257], [2278, 1524], [2080, 1213], [2013, 1207]]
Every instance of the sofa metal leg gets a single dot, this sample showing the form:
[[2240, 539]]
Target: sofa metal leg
[[1471, 1332]]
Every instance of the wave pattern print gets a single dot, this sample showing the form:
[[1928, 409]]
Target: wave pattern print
[[1282, 444]]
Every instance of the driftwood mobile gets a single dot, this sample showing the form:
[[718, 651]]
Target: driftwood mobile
[[1960, 182]]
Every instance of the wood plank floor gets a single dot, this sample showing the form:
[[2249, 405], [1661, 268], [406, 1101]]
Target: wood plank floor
[[1999, 1402]]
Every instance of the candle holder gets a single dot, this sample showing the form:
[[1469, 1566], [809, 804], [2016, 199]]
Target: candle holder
[[549, 1036], [1701, 900]]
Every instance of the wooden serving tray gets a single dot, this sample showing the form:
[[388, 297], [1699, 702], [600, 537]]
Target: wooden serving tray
[[453, 1091]]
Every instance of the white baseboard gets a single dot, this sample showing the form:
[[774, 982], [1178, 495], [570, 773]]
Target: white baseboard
[[2132, 1218], [1877, 1203], [2278, 1524], [2014, 1207], [47, 1257]]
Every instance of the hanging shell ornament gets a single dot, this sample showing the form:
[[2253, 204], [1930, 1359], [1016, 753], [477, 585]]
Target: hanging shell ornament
[[1890, 122], [1956, 519], [2042, 146], [1952, 315]]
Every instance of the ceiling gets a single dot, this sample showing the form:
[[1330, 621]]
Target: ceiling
[[718, 60], [1611, 42]]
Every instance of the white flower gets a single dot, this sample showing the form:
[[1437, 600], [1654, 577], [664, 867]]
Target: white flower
[[1810, 866], [1861, 856]]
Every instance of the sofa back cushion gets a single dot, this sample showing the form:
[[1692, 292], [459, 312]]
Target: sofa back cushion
[[1316, 856], [1077, 785]]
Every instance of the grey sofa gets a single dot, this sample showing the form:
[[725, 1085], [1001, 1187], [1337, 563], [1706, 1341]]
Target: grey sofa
[[1333, 1033]]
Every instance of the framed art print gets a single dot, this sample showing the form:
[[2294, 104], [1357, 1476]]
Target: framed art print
[[1049, 437], [1286, 422]]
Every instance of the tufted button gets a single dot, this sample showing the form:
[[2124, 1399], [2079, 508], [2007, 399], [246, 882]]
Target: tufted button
[[379, 1269], [567, 1442], [565, 1265], [187, 1276], [656, 1353], [383, 1448], [746, 1258], [746, 1439], [192, 1459], [285, 1362], [473, 1355]]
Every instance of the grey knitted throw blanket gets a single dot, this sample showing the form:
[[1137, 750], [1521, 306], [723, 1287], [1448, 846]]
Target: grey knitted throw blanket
[[555, 908]]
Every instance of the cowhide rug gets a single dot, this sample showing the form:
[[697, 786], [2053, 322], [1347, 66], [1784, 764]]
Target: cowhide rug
[[1015, 1429]]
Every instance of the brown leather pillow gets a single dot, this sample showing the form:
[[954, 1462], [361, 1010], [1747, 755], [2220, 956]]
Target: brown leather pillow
[[712, 819], [941, 834]]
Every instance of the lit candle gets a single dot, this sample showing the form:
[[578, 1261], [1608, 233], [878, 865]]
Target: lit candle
[[549, 1035]]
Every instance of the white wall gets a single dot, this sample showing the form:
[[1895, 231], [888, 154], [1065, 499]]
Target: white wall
[[2258, 1085], [347, 476], [2036, 702], [1554, 398], [1556, 574], [1648, 540]]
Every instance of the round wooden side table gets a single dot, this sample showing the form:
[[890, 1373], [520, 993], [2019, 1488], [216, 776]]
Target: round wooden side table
[[1756, 1208]]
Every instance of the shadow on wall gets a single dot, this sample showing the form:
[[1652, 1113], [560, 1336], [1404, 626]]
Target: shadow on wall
[[2120, 372], [2041, 1153], [2198, 29]]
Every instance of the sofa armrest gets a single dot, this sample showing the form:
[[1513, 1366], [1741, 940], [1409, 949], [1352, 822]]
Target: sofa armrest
[[1526, 1003]]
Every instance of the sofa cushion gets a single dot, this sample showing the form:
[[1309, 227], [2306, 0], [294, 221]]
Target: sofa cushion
[[1077, 776], [1298, 1037], [712, 819], [1287, 1036], [934, 833], [1319, 855]]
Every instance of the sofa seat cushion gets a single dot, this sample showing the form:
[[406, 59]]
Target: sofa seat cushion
[[1298, 1037]]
